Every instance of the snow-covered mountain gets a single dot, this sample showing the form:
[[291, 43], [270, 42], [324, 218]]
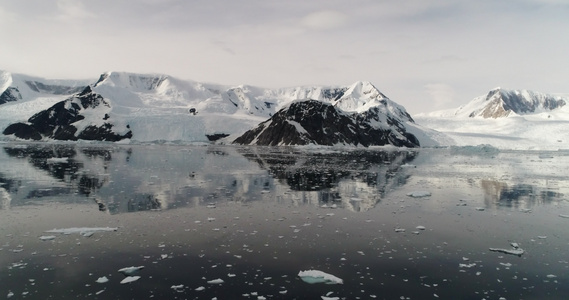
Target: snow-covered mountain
[[157, 107], [506, 119], [320, 123], [499, 103]]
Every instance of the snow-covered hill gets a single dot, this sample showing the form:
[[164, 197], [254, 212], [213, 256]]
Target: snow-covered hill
[[157, 107], [506, 119]]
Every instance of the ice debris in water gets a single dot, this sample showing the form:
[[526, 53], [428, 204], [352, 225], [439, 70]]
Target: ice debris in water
[[130, 279], [55, 160], [47, 237], [564, 216], [419, 194], [103, 279], [516, 250], [130, 270], [315, 276], [216, 281], [84, 231]]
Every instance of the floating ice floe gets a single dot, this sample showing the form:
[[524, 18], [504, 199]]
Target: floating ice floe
[[216, 281], [564, 216], [329, 298], [468, 266], [84, 231], [516, 250], [420, 227], [103, 279], [178, 288], [315, 276], [130, 279], [130, 270], [55, 160], [47, 237], [419, 194]]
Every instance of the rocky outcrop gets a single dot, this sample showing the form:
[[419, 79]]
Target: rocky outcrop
[[9, 95], [59, 122], [316, 122]]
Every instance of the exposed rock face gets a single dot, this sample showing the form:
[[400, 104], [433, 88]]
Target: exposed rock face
[[9, 95], [59, 121], [500, 103], [316, 122]]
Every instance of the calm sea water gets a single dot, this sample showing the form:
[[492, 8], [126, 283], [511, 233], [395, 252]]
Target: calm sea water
[[226, 222]]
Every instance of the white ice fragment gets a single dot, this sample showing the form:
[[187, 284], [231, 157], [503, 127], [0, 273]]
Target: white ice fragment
[[468, 266], [564, 216], [99, 292], [81, 230], [47, 237], [10, 295], [330, 298], [419, 194], [130, 279], [177, 288], [420, 227], [551, 276], [507, 265], [542, 237], [103, 279], [216, 281], [399, 230], [231, 275], [130, 270], [315, 276], [480, 209], [201, 288], [514, 251], [56, 160]]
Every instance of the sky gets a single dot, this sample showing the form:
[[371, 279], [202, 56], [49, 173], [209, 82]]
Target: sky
[[426, 55]]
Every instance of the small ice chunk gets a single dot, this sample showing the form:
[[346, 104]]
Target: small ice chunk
[[178, 288], [130, 279], [103, 279], [419, 194], [468, 266], [216, 281], [551, 276], [47, 237], [56, 160], [516, 250], [480, 209], [330, 298], [399, 230], [564, 216], [81, 230], [315, 276], [420, 227], [131, 270], [10, 295], [199, 289]]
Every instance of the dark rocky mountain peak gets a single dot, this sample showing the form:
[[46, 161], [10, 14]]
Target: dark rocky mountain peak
[[315, 122]]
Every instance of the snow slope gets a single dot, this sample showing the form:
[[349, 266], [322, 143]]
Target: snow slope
[[506, 119], [156, 107]]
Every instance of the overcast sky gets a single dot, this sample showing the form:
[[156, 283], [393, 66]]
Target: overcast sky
[[424, 54]]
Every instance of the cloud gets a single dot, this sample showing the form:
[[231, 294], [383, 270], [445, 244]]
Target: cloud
[[70, 10], [441, 94], [324, 20]]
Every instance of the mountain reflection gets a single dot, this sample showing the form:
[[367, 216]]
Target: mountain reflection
[[356, 180], [519, 196]]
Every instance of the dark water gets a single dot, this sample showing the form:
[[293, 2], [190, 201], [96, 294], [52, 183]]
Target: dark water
[[255, 217]]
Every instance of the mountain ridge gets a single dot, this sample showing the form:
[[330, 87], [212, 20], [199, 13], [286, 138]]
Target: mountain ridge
[[159, 107]]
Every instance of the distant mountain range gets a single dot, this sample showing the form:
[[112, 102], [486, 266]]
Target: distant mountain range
[[129, 107]]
